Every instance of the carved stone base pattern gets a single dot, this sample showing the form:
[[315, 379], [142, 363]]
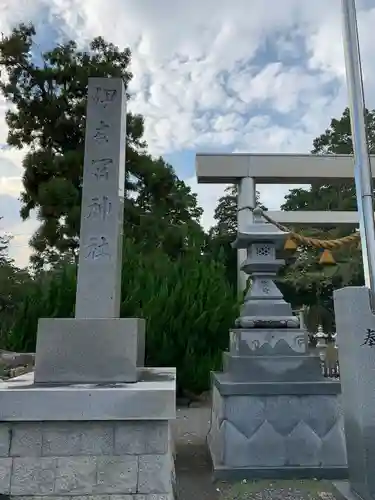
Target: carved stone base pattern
[[268, 342], [277, 431]]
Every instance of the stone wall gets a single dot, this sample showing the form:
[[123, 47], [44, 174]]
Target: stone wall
[[124, 460]]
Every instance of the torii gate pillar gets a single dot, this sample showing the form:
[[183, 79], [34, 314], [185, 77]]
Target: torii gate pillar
[[246, 198]]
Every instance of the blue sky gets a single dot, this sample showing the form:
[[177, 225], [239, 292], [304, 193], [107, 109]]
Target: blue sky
[[182, 161], [259, 76]]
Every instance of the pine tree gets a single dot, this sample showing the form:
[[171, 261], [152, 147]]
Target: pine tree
[[47, 118]]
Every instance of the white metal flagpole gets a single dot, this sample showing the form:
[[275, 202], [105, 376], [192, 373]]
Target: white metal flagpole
[[362, 167]]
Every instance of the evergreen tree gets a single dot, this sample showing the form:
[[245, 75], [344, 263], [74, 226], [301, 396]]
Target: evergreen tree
[[308, 282], [47, 117], [225, 230], [337, 139]]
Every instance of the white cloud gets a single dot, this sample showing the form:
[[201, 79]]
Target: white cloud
[[208, 196], [259, 76], [19, 245]]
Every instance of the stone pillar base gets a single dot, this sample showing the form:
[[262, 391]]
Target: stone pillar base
[[87, 351], [276, 430], [88, 441]]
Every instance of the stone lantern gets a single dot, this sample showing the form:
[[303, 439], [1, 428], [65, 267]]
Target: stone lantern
[[264, 305], [273, 413]]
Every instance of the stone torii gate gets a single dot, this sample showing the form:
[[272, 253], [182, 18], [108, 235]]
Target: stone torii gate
[[247, 170]]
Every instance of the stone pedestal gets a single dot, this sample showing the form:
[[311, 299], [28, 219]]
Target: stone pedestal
[[274, 416], [269, 355], [88, 441], [355, 326], [107, 350], [273, 413]]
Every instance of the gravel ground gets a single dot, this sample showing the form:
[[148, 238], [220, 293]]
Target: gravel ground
[[193, 469], [279, 490]]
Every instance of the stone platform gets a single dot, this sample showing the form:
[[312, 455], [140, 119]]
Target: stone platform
[[88, 441], [273, 413], [276, 430]]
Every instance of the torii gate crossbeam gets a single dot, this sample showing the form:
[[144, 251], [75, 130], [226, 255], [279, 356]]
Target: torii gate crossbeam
[[248, 170]]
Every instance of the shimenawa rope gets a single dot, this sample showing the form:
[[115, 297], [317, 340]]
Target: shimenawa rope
[[306, 240]]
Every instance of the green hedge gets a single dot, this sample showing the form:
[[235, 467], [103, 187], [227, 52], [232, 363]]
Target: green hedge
[[187, 303]]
